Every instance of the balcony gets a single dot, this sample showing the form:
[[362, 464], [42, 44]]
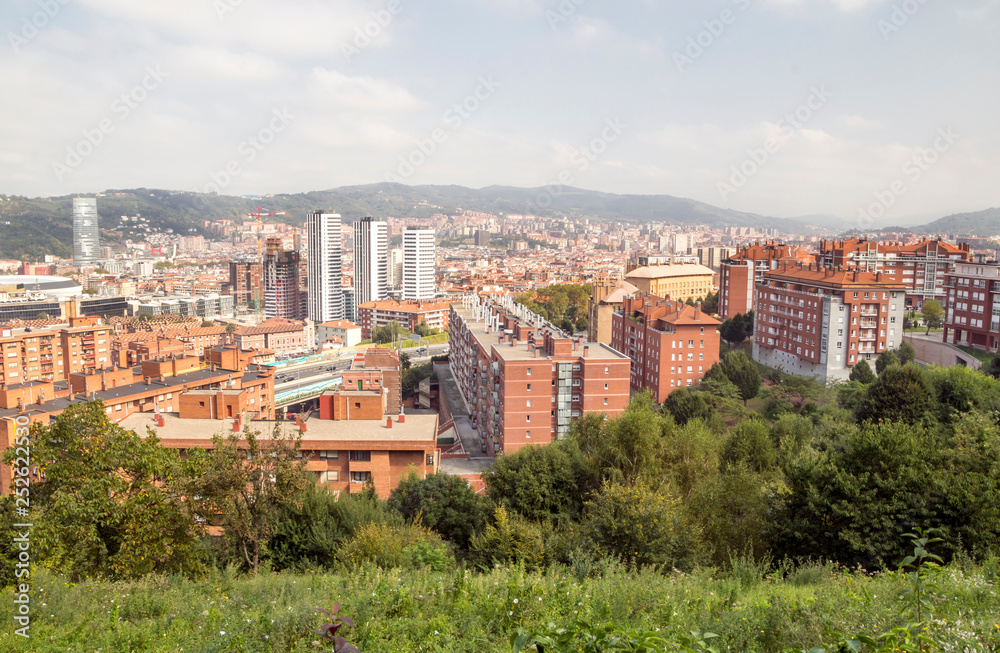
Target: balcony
[[869, 313]]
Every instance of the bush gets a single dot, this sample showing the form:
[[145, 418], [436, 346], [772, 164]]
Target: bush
[[509, 540], [392, 546]]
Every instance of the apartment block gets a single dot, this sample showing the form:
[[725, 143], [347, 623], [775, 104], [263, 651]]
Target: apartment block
[[922, 267], [972, 305], [739, 273], [817, 321], [681, 281], [244, 281], [523, 379], [372, 315], [671, 344]]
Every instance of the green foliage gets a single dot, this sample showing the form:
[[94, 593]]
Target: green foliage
[[739, 370], [636, 524], [509, 540], [902, 393], [246, 479], [8, 547], [392, 332], [906, 353], [862, 373], [445, 504], [959, 390], [395, 546], [886, 359], [563, 304], [749, 445], [629, 448], [412, 376], [583, 637], [710, 303], [581, 323], [686, 404], [932, 314], [540, 483], [111, 503], [737, 328]]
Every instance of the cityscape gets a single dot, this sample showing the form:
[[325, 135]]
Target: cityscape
[[512, 326]]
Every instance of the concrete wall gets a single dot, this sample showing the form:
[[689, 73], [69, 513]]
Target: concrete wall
[[940, 353]]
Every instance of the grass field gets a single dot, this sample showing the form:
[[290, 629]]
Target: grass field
[[460, 611]]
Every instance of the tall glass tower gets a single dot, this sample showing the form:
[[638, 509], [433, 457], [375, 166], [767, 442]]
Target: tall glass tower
[[86, 235]]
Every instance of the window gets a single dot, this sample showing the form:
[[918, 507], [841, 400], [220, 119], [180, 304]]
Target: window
[[605, 401], [527, 418], [529, 403], [329, 455], [361, 456], [360, 477], [529, 371], [529, 387], [527, 434], [605, 386], [607, 370], [332, 476]]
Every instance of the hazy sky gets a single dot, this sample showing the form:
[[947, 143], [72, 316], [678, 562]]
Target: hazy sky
[[823, 103]]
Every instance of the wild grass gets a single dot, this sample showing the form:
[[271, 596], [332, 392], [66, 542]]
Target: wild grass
[[753, 607]]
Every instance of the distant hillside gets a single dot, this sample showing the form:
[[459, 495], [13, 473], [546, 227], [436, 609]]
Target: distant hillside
[[979, 223], [42, 226]]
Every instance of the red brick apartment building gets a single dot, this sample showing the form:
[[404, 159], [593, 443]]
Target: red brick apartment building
[[180, 385], [50, 354], [922, 267], [817, 321], [671, 344], [739, 273], [972, 305], [524, 380], [408, 314]]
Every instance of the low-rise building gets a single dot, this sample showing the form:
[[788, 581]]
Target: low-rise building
[[372, 315], [672, 345], [680, 281], [348, 332]]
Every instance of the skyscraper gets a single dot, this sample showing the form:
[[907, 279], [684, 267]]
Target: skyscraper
[[281, 282], [86, 235], [395, 268], [371, 265], [325, 278], [418, 263]]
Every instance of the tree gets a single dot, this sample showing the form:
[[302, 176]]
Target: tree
[[566, 324], [444, 503], [111, 502], [230, 328], [901, 394], [540, 483], [710, 304], [626, 449], [636, 524], [581, 323], [245, 479], [750, 446], [741, 372], [686, 404], [737, 328], [423, 330], [862, 373], [391, 332], [510, 539], [885, 360], [207, 323], [906, 353], [933, 314], [993, 369]]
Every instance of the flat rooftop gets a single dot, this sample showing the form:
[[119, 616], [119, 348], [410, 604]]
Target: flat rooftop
[[416, 428], [522, 351]]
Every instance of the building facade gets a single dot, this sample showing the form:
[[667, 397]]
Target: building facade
[[325, 277], [371, 260], [244, 280], [407, 314], [282, 295], [680, 281], [739, 273], [922, 267], [525, 382], [972, 305], [418, 264], [817, 321], [671, 344], [86, 232]]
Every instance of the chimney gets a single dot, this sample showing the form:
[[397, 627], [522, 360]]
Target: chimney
[[586, 351], [513, 341], [159, 420], [237, 424], [402, 418], [146, 379], [536, 351], [388, 422], [697, 310]]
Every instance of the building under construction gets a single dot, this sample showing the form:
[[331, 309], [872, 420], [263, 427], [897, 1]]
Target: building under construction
[[283, 296]]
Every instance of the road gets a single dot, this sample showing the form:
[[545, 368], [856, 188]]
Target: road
[[299, 376]]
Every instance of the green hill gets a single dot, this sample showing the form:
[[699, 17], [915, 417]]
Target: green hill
[[978, 223]]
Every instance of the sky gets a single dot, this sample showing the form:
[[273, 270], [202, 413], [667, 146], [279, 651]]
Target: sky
[[869, 110]]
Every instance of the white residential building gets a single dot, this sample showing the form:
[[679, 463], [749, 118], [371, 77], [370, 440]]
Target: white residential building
[[371, 248], [418, 263], [325, 238]]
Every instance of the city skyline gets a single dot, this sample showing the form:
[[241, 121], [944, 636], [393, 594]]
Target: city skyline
[[825, 119]]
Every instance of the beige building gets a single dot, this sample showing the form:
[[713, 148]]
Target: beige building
[[680, 282], [605, 296]]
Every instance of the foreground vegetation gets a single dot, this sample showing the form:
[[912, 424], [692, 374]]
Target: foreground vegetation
[[457, 610]]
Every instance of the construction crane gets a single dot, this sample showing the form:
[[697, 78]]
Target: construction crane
[[259, 215]]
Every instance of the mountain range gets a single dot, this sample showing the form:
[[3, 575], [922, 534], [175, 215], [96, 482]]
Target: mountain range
[[33, 227]]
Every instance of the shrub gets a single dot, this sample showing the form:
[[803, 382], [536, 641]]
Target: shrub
[[393, 546], [510, 539]]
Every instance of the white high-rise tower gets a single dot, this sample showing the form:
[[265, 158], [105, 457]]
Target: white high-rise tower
[[371, 265], [418, 263], [325, 280], [86, 233]]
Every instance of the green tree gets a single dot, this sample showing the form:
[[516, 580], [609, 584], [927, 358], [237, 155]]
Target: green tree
[[111, 502], [230, 328], [636, 524], [901, 394], [510, 539], [566, 324], [539, 482], [750, 445], [207, 323], [581, 323], [933, 314], [959, 390], [906, 353], [993, 369], [686, 404], [444, 503], [741, 372], [245, 479], [391, 332], [885, 360], [710, 304], [629, 448], [862, 373]]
